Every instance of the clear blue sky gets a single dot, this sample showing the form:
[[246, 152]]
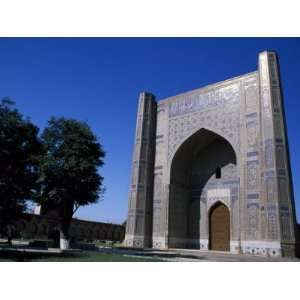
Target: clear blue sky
[[98, 80]]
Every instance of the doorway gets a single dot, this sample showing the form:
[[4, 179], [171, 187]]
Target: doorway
[[219, 228]]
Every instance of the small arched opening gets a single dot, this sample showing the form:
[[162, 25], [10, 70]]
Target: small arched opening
[[219, 227]]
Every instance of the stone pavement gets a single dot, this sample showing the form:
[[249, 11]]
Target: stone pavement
[[171, 255], [187, 255]]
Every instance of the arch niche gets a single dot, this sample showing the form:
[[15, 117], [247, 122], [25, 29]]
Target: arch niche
[[204, 161]]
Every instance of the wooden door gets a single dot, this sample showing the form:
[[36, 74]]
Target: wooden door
[[219, 228]]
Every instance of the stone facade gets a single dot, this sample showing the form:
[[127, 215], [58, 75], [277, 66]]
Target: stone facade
[[224, 143]]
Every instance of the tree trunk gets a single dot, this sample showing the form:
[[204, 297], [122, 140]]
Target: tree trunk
[[65, 222], [64, 242], [9, 235]]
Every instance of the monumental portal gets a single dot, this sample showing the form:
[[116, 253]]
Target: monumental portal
[[211, 168]]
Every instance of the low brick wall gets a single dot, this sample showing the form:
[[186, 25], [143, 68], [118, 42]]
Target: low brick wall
[[33, 226]]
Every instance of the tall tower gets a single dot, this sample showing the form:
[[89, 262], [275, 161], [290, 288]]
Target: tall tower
[[276, 172], [139, 221]]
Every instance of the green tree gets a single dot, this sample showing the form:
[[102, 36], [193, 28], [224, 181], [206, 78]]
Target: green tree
[[68, 170], [20, 148]]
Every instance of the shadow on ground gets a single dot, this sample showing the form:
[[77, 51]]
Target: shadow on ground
[[78, 256]]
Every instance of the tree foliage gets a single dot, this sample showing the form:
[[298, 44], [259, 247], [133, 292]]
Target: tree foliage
[[20, 149], [69, 175]]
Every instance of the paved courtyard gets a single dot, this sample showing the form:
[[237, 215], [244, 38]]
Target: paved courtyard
[[18, 253], [185, 255]]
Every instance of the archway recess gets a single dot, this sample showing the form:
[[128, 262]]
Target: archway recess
[[204, 162]]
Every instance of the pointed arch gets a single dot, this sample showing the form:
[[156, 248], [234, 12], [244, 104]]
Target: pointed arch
[[202, 130], [203, 136], [217, 203], [192, 173]]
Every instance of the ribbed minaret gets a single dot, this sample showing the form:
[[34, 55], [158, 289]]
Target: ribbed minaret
[[276, 173], [139, 221]]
